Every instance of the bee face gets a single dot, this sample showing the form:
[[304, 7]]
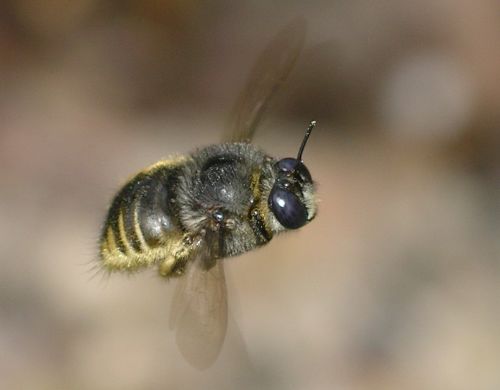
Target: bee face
[[292, 197]]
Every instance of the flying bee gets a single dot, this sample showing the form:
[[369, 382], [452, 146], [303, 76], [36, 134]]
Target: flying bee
[[185, 215]]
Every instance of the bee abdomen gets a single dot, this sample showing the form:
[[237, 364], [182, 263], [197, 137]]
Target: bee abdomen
[[141, 222]]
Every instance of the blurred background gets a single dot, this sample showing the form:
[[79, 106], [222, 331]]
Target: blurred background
[[396, 283]]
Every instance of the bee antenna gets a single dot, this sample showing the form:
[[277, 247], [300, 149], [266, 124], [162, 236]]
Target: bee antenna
[[304, 141]]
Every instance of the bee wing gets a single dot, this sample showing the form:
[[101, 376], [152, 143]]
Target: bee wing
[[268, 74], [199, 312]]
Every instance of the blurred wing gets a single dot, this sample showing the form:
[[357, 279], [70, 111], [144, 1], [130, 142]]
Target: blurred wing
[[268, 74], [199, 312]]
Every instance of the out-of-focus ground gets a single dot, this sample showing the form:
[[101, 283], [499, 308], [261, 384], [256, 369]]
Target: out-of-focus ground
[[395, 285]]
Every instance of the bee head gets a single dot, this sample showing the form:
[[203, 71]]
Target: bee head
[[291, 199]]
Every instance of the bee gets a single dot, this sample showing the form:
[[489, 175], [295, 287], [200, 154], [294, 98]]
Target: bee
[[184, 215]]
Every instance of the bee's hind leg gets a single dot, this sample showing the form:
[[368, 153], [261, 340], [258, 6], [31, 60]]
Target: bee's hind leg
[[174, 263], [166, 267]]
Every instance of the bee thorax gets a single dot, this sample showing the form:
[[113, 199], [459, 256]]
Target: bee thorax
[[216, 192]]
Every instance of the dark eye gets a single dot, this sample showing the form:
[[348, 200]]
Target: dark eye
[[290, 164], [287, 164], [287, 208]]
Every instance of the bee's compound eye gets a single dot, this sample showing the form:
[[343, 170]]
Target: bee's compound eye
[[287, 164], [287, 208], [291, 165]]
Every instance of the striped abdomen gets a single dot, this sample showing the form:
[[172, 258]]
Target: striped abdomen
[[142, 223]]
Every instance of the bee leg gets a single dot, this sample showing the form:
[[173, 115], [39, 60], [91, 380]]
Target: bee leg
[[165, 268], [175, 263]]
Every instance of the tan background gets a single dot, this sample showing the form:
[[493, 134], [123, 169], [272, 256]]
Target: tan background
[[396, 284]]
